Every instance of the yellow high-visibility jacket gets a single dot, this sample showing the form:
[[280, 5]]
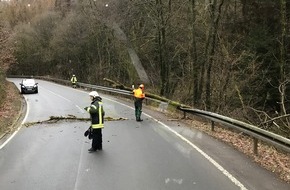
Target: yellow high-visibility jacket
[[73, 80], [138, 93]]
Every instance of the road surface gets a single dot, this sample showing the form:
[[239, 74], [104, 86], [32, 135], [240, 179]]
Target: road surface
[[151, 155]]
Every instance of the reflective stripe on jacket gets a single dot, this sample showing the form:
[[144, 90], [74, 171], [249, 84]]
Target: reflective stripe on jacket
[[97, 114], [73, 79]]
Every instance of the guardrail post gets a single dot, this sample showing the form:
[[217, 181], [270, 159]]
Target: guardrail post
[[255, 145], [184, 115], [212, 125]]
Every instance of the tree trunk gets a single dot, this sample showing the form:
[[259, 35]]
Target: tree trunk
[[164, 69], [283, 82], [195, 67], [214, 16]]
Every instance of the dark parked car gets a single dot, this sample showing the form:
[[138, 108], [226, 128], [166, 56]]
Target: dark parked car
[[28, 86]]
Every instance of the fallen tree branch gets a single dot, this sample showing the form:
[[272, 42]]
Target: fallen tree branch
[[276, 118], [148, 94], [55, 119]]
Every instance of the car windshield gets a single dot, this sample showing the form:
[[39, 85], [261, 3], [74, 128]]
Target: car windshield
[[28, 82]]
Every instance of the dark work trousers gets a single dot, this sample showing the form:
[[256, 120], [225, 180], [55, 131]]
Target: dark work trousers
[[138, 108], [97, 139]]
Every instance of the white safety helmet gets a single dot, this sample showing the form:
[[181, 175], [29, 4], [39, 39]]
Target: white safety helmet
[[94, 94]]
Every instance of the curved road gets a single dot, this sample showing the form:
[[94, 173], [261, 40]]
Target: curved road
[[148, 155]]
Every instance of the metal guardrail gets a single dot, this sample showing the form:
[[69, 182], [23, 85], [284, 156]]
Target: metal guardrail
[[253, 131], [112, 90]]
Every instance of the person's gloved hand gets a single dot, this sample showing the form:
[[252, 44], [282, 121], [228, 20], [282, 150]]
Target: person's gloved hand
[[90, 136], [87, 132]]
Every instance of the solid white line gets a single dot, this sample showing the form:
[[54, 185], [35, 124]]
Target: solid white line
[[15, 132], [80, 109], [26, 115], [79, 169], [217, 165]]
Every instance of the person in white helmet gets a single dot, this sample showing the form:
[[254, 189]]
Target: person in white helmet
[[97, 113]]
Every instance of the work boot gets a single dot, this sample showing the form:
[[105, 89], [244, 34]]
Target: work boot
[[92, 150], [100, 147]]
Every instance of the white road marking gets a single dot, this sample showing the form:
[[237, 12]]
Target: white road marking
[[27, 111], [64, 99], [15, 132], [58, 95], [80, 109], [217, 165]]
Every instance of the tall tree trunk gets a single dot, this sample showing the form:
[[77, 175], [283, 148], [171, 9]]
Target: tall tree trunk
[[215, 16], [283, 82], [164, 67], [195, 67]]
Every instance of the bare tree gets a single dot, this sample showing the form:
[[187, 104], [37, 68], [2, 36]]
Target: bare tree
[[193, 52], [215, 12]]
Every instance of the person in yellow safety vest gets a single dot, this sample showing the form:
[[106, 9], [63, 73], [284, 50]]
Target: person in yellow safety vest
[[97, 114], [74, 81], [139, 96]]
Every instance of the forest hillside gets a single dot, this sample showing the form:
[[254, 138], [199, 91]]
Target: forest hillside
[[227, 57]]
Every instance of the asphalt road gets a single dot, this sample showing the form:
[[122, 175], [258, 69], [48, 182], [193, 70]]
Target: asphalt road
[[148, 155]]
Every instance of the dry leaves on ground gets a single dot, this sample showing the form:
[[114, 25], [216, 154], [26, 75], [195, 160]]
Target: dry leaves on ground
[[268, 157], [10, 108]]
